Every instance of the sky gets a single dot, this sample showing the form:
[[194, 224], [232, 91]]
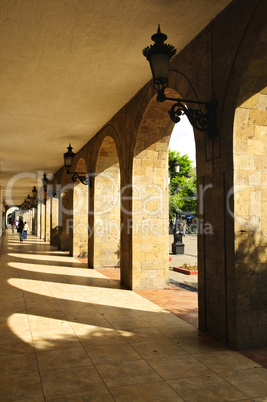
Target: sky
[[182, 139]]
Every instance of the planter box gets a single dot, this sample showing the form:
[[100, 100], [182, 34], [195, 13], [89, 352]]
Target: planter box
[[186, 271]]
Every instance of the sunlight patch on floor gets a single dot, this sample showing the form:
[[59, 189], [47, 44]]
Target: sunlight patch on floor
[[39, 256]]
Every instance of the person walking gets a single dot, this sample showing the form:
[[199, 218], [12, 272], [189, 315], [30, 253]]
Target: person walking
[[25, 230], [20, 229], [13, 225], [184, 228]]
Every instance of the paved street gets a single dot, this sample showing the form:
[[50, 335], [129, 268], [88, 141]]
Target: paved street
[[189, 257]]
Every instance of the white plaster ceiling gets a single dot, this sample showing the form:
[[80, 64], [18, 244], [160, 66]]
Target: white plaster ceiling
[[67, 66]]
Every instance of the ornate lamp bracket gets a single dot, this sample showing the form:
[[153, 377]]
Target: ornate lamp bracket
[[84, 178], [201, 121]]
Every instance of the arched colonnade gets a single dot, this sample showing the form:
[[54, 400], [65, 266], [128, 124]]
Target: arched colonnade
[[125, 211]]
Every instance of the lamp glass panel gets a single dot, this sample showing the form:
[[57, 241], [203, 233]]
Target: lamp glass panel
[[67, 161], [159, 64]]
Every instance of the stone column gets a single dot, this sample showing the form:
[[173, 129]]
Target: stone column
[[48, 220], [55, 239], [66, 219]]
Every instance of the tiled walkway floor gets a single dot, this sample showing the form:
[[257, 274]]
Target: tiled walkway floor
[[178, 301], [68, 333], [184, 304]]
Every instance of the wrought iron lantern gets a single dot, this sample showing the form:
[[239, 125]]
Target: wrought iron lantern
[[34, 197], [84, 178], [159, 55], [45, 182], [68, 158], [34, 192], [28, 201]]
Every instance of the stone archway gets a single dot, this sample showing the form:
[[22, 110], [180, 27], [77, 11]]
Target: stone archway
[[107, 206], [80, 214]]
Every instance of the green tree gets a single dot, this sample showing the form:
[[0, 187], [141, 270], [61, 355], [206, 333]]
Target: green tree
[[182, 190]]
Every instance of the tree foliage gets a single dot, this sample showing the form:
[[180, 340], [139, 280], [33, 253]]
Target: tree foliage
[[182, 190]]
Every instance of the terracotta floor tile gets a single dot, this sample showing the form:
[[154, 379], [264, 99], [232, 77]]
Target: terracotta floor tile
[[127, 373], [105, 354], [17, 363], [10, 343], [180, 366], [154, 348], [200, 343], [63, 358], [101, 395], [225, 360], [140, 334], [252, 382], [71, 381], [179, 331], [21, 386], [257, 355], [150, 392], [206, 388], [182, 303], [125, 322]]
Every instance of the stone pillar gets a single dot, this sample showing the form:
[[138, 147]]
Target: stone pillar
[[107, 226], [38, 220], [107, 219], [66, 219], [55, 238], [1, 213], [80, 220], [48, 220], [149, 223], [250, 218], [150, 232], [34, 221], [43, 220]]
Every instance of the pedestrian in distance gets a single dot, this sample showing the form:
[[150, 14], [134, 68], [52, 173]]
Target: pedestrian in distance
[[25, 230], [184, 228], [20, 229], [13, 225]]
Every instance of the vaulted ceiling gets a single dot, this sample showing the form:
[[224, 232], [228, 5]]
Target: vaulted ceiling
[[67, 66]]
